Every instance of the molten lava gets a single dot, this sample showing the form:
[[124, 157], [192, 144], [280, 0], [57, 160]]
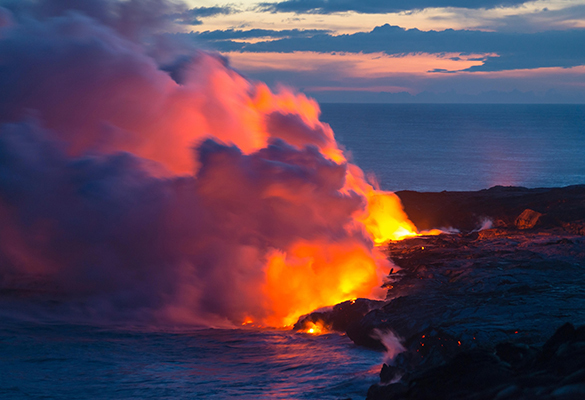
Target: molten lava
[[385, 219], [315, 328], [317, 274]]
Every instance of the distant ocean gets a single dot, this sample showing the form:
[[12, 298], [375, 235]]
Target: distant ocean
[[420, 147], [435, 147]]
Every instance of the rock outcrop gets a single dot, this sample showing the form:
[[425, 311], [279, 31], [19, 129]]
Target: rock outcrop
[[501, 205], [477, 310], [509, 371]]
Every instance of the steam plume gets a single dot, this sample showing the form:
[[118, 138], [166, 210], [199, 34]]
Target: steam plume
[[391, 342], [142, 179]]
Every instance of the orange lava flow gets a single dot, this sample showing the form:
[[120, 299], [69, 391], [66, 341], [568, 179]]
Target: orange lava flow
[[315, 328], [317, 274], [385, 219]]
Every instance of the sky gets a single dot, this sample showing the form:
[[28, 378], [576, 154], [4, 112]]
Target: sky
[[507, 51]]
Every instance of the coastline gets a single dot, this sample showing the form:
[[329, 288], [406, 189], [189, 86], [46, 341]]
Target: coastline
[[477, 310]]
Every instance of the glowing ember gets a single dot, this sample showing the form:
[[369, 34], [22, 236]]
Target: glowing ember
[[315, 328]]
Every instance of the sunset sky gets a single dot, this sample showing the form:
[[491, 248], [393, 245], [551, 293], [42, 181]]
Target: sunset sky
[[401, 51]]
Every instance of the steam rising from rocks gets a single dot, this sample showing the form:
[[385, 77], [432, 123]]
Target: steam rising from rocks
[[391, 343]]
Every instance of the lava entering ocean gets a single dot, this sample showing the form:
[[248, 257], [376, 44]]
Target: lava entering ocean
[[147, 182]]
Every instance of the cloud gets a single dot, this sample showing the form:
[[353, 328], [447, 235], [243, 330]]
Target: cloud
[[375, 77], [234, 39], [131, 18], [362, 65], [192, 16], [536, 21], [254, 34], [514, 50], [376, 6]]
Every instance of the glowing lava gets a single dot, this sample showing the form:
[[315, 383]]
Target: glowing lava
[[385, 219], [315, 328], [317, 274]]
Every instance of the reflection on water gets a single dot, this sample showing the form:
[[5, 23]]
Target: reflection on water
[[69, 361], [435, 147]]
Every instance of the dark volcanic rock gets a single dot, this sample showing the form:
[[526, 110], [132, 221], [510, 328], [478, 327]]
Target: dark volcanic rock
[[478, 309], [513, 371], [341, 316], [487, 287], [502, 205], [467, 373], [429, 348], [518, 355], [575, 227], [394, 391], [390, 373], [361, 331]]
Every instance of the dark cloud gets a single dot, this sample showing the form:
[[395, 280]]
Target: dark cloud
[[514, 50], [231, 39], [192, 16], [234, 39], [377, 6], [537, 21], [131, 18], [202, 12], [256, 33]]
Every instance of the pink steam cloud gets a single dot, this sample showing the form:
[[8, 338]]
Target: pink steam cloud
[[126, 194]]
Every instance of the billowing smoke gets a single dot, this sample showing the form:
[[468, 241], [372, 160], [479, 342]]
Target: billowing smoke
[[144, 180]]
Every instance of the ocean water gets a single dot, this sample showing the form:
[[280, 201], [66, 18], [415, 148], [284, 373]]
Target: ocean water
[[66, 361], [435, 147], [419, 147]]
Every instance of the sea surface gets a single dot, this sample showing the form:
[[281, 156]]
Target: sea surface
[[435, 147], [418, 147], [67, 361]]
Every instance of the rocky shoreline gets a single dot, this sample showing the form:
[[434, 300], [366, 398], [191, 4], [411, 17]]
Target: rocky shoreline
[[478, 311], [511, 370]]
